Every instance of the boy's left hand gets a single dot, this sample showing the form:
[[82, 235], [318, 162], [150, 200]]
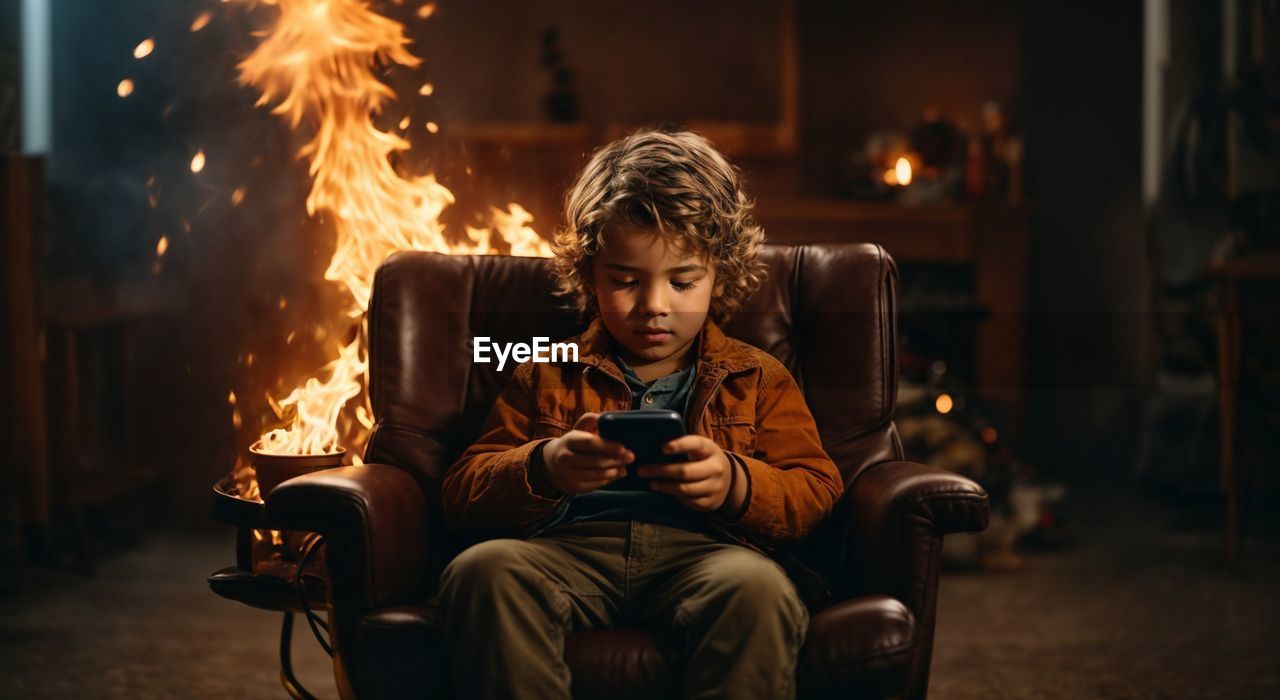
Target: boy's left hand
[[702, 483]]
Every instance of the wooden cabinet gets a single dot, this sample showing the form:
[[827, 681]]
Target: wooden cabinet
[[990, 240]]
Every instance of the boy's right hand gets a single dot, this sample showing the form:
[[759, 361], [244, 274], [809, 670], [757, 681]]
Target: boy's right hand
[[580, 460]]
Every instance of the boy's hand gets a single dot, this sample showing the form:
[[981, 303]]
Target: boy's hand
[[581, 460], [702, 483]]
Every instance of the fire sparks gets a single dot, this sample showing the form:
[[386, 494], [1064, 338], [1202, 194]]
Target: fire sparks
[[316, 66], [237, 196], [197, 161], [144, 49], [124, 88], [201, 21], [162, 245]]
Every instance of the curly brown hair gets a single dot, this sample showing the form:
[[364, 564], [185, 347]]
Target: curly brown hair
[[676, 183]]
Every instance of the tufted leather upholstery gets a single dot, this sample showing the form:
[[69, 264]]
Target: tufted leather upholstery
[[827, 312]]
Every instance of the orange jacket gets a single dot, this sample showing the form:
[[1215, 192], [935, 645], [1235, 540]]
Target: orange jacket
[[744, 399]]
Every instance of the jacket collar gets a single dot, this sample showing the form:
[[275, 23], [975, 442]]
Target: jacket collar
[[713, 349]]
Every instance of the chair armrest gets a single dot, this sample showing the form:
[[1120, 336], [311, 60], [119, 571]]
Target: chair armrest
[[374, 521], [896, 516]]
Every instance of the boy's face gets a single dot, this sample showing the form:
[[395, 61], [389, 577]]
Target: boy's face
[[654, 295]]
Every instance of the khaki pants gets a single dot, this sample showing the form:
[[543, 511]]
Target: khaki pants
[[507, 605]]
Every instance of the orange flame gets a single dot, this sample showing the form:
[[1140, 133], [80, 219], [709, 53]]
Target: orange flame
[[312, 410], [316, 65]]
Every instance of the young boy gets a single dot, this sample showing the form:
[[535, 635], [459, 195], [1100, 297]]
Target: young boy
[[658, 246]]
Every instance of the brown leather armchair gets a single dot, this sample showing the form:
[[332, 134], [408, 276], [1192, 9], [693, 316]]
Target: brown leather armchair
[[827, 311]]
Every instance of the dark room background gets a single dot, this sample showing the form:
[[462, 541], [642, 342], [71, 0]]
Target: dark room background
[[235, 302]]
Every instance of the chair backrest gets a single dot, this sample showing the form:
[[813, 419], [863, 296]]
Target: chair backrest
[[826, 311]]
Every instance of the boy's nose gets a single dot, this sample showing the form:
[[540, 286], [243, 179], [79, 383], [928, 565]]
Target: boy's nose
[[653, 302]]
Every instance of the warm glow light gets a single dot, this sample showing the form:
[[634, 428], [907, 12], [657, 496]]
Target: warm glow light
[[237, 196], [197, 161], [426, 89], [426, 10], [144, 49], [989, 435], [124, 88], [943, 403], [202, 21], [404, 123], [433, 127], [903, 171], [162, 245]]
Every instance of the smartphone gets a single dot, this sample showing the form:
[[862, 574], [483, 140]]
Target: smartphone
[[644, 433]]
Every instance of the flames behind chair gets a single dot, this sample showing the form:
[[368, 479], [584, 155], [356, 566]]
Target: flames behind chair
[[826, 311]]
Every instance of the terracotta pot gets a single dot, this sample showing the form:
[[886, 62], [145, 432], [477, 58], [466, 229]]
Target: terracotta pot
[[273, 469]]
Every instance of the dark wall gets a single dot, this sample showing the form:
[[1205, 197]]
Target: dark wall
[[1090, 326], [632, 62], [9, 48]]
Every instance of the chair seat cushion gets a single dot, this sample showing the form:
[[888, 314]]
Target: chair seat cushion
[[862, 645]]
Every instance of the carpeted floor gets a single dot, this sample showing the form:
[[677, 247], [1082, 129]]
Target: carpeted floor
[[1141, 608]]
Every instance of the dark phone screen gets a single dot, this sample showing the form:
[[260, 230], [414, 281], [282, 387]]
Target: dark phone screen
[[643, 432]]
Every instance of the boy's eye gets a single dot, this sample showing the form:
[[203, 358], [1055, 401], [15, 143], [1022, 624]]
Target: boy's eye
[[684, 286], [622, 283]]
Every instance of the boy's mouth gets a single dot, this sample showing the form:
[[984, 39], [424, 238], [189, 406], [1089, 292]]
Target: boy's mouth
[[653, 335]]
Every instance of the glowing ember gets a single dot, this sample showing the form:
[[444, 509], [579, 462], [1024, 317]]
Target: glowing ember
[[201, 21], [433, 127], [237, 196], [426, 10], [144, 49], [162, 245], [124, 88], [426, 89], [197, 161]]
